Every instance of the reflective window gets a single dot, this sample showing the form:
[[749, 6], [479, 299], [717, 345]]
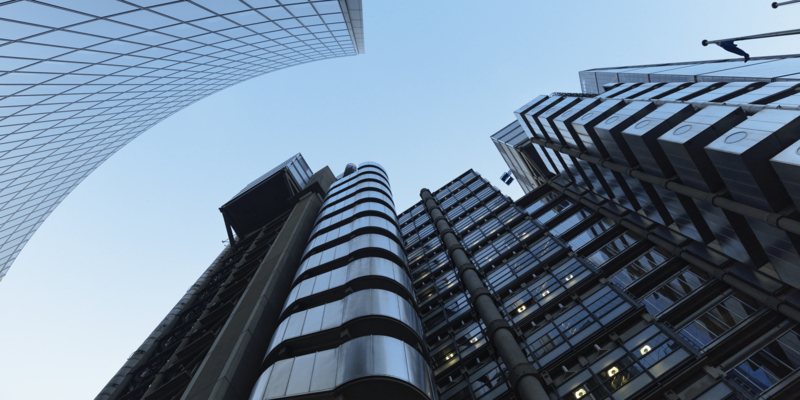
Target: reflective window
[[538, 204], [571, 221], [484, 384], [485, 193], [525, 229], [545, 288], [625, 370], [719, 319], [573, 325], [590, 233], [676, 289], [555, 210], [477, 184], [518, 266], [614, 247], [771, 364], [637, 269]]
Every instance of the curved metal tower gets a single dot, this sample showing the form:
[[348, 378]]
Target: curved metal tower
[[80, 79]]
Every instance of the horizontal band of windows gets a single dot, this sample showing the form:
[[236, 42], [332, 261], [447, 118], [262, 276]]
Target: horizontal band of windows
[[367, 177], [368, 245], [360, 226], [360, 172], [361, 198], [370, 272], [350, 215], [362, 313], [362, 361], [354, 191]]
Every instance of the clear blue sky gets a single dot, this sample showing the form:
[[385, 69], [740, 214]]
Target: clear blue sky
[[438, 78]]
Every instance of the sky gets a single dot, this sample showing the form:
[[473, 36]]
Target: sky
[[438, 78]]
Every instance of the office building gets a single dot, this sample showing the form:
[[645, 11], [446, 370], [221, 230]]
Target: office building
[[80, 79], [679, 191], [653, 256]]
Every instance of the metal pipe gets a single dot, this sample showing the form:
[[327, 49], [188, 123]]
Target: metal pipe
[[774, 303], [773, 219], [522, 376], [776, 4], [759, 36]]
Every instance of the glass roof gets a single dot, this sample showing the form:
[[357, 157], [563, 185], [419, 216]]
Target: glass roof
[[79, 79]]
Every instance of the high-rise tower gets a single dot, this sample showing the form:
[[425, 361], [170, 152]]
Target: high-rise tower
[[81, 79]]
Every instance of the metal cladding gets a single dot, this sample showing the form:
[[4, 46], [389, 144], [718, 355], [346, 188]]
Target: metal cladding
[[610, 133], [375, 364], [684, 146], [741, 156], [350, 324], [81, 79], [358, 312], [642, 138], [374, 271], [759, 69], [702, 168]]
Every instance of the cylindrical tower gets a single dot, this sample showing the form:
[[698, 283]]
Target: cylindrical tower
[[350, 325]]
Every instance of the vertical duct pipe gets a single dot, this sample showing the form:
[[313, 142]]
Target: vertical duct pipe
[[522, 375]]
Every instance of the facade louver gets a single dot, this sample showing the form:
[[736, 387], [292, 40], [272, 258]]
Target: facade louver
[[80, 79]]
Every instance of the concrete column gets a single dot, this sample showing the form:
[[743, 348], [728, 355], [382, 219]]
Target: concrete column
[[233, 364]]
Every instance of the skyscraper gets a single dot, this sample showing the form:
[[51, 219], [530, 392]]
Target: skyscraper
[[80, 79], [652, 257], [678, 184]]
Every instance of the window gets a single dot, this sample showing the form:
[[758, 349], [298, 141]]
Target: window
[[545, 248], [538, 204], [475, 185], [674, 290], [486, 382], [635, 270], [479, 213], [462, 225], [576, 324], [719, 319], [485, 193], [517, 266], [571, 221], [616, 246], [626, 369], [590, 233], [771, 364], [544, 289], [555, 210], [491, 226], [524, 230]]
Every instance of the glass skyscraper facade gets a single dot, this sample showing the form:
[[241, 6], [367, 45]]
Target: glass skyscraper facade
[[80, 79]]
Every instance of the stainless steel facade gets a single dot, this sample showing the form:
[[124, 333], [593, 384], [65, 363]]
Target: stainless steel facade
[[80, 79], [350, 325], [677, 204], [759, 69]]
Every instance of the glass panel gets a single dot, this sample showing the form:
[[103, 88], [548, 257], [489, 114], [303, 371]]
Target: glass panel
[[635, 270], [719, 319]]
